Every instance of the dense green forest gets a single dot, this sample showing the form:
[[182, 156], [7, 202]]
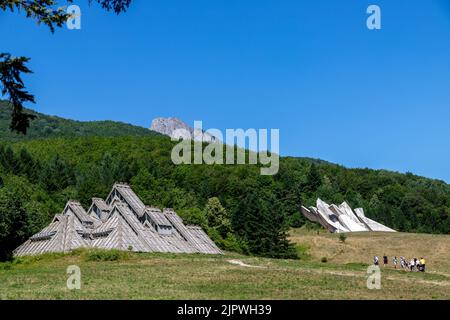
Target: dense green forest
[[45, 126], [241, 210]]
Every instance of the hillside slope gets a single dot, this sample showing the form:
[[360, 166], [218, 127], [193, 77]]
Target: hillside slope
[[43, 174], [361, 247], [93, 164], [45, 126]]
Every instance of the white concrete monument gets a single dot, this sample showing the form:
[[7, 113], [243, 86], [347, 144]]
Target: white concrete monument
[[339, 219]]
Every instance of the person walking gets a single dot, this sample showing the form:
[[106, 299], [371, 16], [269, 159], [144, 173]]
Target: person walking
[[422, 264], [375, 260], [402, 263], [418, 265], [385, 261], [412, 265], [395, 262]]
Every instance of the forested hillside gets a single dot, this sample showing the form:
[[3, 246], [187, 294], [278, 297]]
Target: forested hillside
[[241, 210], [45, 126]]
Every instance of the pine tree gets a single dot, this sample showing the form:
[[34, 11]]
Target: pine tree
[[56, 175], [263, 226], [27, 165], [108, 169], [8, 160], [313, 179]]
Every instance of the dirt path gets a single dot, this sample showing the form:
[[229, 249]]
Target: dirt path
[[358, 274], [390, 277], [242, 264]]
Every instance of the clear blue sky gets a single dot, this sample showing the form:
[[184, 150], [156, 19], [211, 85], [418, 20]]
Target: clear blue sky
[[336, 91]]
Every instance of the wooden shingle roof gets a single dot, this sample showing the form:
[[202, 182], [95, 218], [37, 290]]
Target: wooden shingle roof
[[125, 227]]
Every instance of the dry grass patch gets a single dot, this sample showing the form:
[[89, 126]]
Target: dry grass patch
[[184, 276]]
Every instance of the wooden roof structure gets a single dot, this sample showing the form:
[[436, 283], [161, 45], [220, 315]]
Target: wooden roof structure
[[121, 222]]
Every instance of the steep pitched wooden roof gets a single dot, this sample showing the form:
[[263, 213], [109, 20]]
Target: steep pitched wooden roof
[[75, 208], [62, 235], [192, 236], [126, 226], [127, 195], [157, 216], [118, 233]]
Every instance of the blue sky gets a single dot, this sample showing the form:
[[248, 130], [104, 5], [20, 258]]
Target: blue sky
[[336, 90]]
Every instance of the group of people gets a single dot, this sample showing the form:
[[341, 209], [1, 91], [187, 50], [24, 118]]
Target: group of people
[[413, 265]]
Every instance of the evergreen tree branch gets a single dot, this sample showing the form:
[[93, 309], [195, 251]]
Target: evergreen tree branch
[[12, 86], [11, 68]]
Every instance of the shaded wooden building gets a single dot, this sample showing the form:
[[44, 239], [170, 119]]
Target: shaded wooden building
[[121, 222]]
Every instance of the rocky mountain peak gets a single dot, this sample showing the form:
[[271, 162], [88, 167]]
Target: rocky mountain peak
[[169, 127]]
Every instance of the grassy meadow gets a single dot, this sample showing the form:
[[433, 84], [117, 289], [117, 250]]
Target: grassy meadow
[[115, 275]]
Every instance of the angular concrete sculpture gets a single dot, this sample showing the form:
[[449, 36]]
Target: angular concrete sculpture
[[121, 222], [339, 219]]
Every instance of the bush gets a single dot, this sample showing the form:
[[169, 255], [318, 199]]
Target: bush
[[303, 251], [342, 237], [313, 226], [324, 260], [5, 265], [230, 243], [296, 220]]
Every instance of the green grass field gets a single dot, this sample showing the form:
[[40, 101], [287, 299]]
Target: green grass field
[[232, 276]]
